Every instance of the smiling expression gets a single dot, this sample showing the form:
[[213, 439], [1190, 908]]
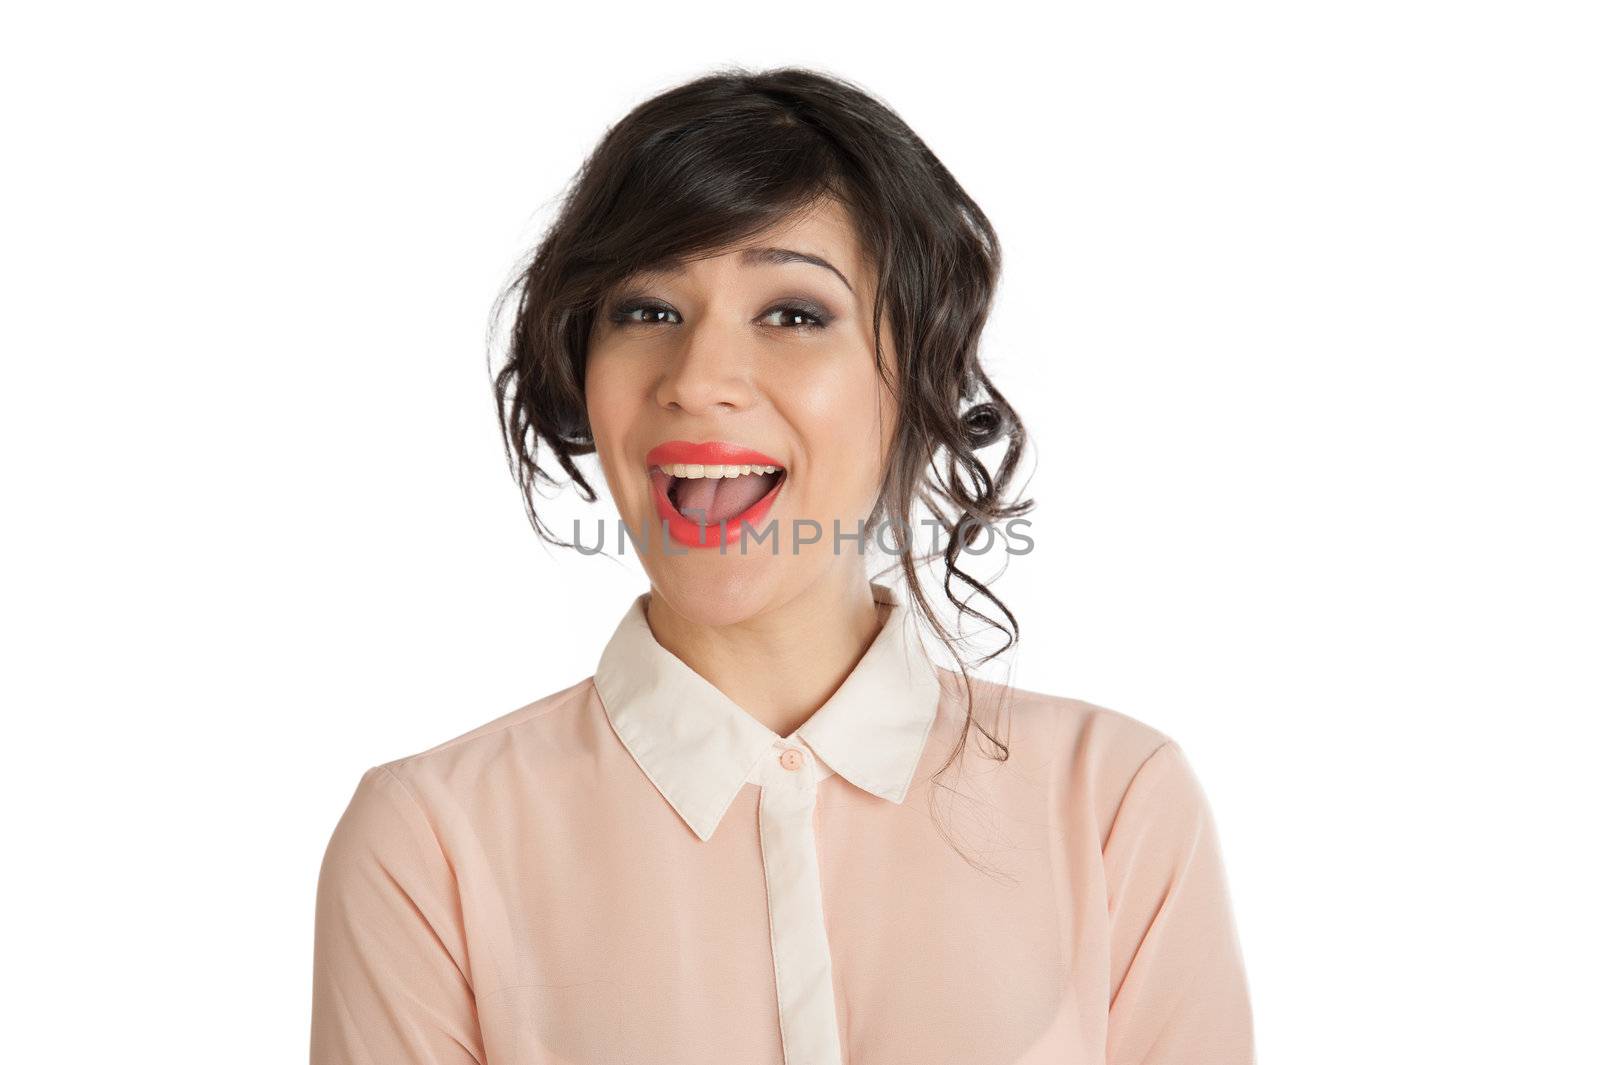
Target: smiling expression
[[742, 388]]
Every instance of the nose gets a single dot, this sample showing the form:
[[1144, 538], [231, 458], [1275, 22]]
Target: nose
[[712, 372]]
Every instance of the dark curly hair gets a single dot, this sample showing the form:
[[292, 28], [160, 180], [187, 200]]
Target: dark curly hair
[[714, 160]]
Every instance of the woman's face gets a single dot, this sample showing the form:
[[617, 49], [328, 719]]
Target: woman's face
[[755, 351]]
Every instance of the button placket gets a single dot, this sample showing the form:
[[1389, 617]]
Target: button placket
[[802, 962]]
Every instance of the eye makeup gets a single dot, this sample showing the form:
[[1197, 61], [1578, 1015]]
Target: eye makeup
[[816, 316]]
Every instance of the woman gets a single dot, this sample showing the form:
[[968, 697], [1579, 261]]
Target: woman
[[754, 834]]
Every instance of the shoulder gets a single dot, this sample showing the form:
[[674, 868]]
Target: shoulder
[[495, 757], [496, 734], [1093, 751], [1074, 729]]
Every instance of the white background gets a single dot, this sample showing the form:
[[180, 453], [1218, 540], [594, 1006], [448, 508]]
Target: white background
[[1299, 303]]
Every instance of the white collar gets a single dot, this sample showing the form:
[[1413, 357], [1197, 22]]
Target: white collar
[[698, 747]]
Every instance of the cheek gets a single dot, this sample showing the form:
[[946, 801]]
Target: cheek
[[844, 417], [612, 410]]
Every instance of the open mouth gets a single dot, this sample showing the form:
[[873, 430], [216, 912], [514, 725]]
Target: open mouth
[[714, 494]]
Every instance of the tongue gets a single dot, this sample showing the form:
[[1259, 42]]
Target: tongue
[[721, 498]]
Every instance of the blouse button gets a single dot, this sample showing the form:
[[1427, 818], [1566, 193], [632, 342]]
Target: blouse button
[[790, 759]]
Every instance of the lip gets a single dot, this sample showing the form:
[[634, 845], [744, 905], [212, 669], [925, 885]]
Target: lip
[[710, 453], [689, 533]]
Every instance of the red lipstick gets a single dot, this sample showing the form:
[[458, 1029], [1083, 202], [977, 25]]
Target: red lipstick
[[690, 531], [711, 453]]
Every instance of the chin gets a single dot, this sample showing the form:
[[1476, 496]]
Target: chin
[[720, 589]]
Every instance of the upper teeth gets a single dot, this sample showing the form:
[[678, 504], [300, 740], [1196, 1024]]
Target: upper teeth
[[693, 470]]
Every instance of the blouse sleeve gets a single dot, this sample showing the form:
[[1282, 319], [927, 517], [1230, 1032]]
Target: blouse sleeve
[[1178, 987], [389, 984]]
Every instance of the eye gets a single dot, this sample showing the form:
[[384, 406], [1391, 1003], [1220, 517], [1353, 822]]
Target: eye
[[624, 313], [802, 316]]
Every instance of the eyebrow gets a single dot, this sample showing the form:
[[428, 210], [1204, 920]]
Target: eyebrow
[[757, 257], [780, 256]]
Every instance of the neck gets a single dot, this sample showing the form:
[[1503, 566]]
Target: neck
[[781, 665]]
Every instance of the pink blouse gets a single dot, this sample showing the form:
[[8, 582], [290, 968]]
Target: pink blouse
[[634, 869]]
